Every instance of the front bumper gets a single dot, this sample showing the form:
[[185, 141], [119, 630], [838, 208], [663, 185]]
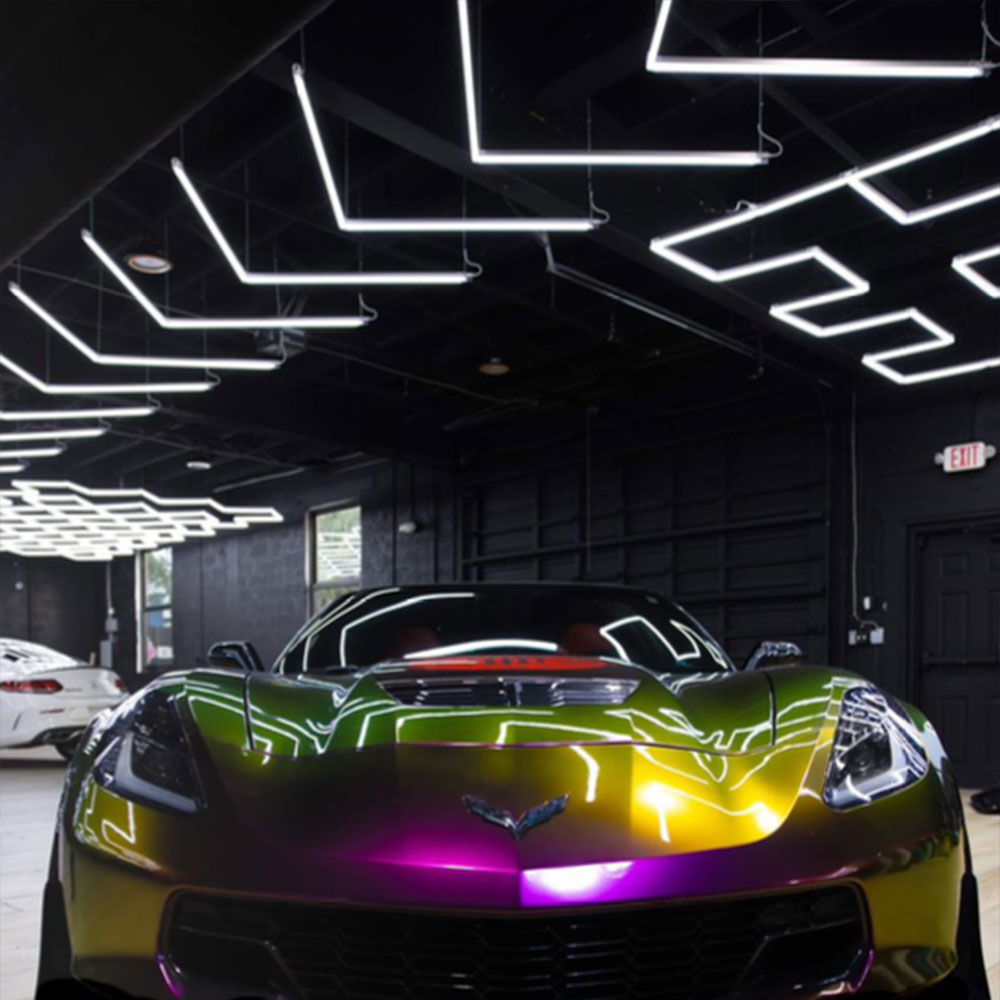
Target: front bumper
[[900, 855]]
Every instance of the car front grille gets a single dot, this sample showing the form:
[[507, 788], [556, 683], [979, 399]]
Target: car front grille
[[767, 946]]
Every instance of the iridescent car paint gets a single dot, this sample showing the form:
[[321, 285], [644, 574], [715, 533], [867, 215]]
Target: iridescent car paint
[[603, 786]]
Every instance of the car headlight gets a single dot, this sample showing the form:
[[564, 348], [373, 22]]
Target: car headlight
[[146, 756], [877, 750]]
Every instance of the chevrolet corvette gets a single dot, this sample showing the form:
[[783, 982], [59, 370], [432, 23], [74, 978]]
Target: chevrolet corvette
[[510, 790]]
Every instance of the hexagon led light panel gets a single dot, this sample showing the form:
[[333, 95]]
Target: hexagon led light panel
[[62, 518], [850, 284]]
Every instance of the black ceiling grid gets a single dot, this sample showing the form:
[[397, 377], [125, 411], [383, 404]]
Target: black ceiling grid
[[385, 80]]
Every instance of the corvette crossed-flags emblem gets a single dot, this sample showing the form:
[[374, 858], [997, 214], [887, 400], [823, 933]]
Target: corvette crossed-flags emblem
[[516, 826]]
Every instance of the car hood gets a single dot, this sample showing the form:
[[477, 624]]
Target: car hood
[[346, 778], [344, 788]]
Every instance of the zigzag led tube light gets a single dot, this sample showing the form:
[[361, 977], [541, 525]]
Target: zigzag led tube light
[[138, 360], [92, 388], [853, 285], [609, 158], [338, 278], [910, 69], [87, 413], [963, 262], [217, 323], [65, 434], [472, 225]]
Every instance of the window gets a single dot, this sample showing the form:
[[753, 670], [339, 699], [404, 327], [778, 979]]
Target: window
[[335, 545], [157, 629]]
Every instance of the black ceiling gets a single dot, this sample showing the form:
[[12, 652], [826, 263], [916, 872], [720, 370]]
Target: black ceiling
[[385, 78]]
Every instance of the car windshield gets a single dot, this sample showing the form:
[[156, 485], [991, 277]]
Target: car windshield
[[414, 624], [27, 657]]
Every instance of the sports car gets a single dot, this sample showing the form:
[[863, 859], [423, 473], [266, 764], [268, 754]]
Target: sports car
[[48, 698], [510, 790]]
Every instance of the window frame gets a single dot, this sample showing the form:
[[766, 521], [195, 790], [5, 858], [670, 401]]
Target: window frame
[[311, 553], [143, 607]]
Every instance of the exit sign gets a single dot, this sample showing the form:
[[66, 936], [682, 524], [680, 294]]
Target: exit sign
[[965, 457]]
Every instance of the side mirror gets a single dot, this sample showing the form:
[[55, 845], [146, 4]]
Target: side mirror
[[237, 654], [775, 654]]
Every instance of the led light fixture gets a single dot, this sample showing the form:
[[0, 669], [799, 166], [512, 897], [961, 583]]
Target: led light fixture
[[91, 388], [139, 360], [480, 225], [59, 518], [963, 262], [908, 218], [70, 434], [354, 278], [12, 468], [852, 284], [96, 413], [32, 452], [198, 464], [608, 158], [858, 68], [206, 323]]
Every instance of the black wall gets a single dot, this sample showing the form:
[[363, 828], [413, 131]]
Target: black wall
[[902, 492], [252, 585], [728, 509], [55, 602], [742, 511], [241, 586]]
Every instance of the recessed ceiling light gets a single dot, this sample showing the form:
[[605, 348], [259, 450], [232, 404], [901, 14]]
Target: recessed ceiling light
[[198, 464], [495, 366], [148, 263]]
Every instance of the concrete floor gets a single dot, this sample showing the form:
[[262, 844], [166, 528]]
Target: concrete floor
[[30, 782]]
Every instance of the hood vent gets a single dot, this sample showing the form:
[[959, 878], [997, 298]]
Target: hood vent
[[508, 692]]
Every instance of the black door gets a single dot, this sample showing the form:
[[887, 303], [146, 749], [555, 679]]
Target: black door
[[959, 628]]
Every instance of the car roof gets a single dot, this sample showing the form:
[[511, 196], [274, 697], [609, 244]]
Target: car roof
[[508, 584]]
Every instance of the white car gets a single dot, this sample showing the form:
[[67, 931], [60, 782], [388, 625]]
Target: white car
[[49, 698]]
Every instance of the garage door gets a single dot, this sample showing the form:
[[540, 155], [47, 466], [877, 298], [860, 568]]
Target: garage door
[[735, 529]]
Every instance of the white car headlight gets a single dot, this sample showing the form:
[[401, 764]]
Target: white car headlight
[[877, 750]]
